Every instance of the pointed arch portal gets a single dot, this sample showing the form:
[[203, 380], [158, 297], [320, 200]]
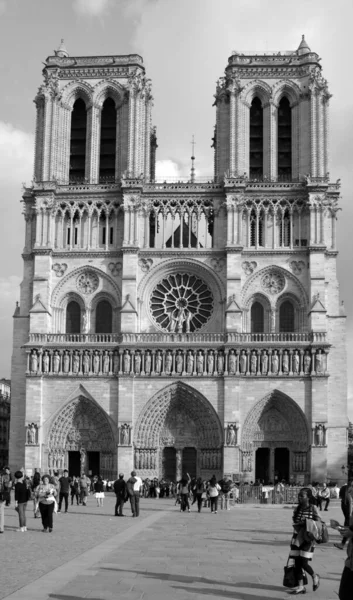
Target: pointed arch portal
[[178, 431], [81, 439], [275, 440]]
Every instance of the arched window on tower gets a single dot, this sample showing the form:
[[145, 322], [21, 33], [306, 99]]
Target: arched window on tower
[[73, 317], [104, 317], [256, 229], [286, 317], [107, 157], [284, 140], [285, 229], [78, 142], [256, 140], [257, 318]]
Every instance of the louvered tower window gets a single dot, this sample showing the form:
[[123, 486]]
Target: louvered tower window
[[107, 155], [256, 140], [284, 140], [78, 142]]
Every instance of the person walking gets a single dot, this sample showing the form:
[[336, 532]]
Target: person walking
[[303, 540], [2, 503], [7, 485], [213, 491], [134, 485], [46, 494], [22, 495], [83, 489], [200, 492], [346, 493], [35, 484], [120, 490], [64, 482], [99, 490], [323, 496], [226, 485], [75, 490], [346, 584], [183, 490]]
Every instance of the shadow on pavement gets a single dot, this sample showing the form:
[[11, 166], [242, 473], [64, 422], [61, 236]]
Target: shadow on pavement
[[223, 594], [257, 542], [64, 597]]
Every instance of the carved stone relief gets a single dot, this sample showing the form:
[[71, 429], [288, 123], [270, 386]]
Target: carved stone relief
[[145, 264], [273, 282], [125, 433], [59, 269], [115, 268], [32, 434], [87, 282], [249, 267]]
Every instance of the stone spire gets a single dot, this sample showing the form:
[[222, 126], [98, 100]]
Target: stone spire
[[61, 51], [192, 173], [303, 47]]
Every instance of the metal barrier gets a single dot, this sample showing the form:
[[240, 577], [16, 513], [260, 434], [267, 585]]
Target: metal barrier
[[258, 494]]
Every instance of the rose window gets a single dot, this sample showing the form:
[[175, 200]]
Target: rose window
[[87, 282], [273, 282], [181, 303]]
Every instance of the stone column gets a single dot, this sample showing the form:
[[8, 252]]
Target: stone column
[[179, 463], [272, 465]]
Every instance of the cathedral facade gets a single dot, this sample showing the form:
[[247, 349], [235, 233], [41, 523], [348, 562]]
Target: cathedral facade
[[187, 326]]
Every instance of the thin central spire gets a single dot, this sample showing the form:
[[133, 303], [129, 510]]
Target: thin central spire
[[192, 178]]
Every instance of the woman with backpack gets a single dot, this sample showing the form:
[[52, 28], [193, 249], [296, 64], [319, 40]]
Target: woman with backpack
[[303, 540]]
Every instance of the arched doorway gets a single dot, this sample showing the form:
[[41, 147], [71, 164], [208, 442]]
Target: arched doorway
[[81, 440], [178, 430], [275, 441]]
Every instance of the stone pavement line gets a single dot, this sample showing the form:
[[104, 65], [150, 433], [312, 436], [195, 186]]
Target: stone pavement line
[[41, 588]]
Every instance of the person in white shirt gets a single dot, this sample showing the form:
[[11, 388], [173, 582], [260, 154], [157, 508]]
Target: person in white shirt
[[323, 495], [134, 485]]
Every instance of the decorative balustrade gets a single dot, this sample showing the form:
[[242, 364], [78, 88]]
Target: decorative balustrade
[[179, 362], [177, 338]]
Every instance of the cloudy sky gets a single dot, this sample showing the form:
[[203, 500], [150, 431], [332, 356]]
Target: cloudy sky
[[185, 45]]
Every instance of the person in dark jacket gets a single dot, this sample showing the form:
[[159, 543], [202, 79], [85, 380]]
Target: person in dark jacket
[[99, 491], [120, 489], [346, 493], [64, 482], [22, 494]]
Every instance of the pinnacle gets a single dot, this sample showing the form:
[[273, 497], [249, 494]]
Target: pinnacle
[[303, 47], [61, 51]]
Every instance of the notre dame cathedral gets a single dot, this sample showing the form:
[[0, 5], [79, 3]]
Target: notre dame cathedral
[[189, 325]]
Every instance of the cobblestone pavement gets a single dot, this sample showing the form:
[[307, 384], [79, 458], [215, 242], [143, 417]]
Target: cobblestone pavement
[[164, 554]]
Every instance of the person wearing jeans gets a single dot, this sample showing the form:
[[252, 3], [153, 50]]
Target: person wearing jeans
[[213, 491], [21, 497], [134, 485], [64, 490]]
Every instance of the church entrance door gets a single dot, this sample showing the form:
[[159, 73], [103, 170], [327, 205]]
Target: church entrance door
[[74, 463], [281, 464], [189, 461], [93, 463], [169, 464], [262, 464]]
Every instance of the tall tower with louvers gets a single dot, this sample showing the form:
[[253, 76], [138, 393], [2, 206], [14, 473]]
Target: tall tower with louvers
[[188, 325]]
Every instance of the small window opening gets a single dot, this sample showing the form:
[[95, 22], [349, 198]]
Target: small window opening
[[257, 318], [111, 238]]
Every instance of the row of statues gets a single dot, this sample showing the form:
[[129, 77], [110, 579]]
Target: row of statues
[[145, 458], [178, 362], [299, 462]]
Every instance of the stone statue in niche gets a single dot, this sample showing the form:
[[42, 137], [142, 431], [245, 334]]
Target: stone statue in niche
[[66, 361], [168, 362], [319, 435], [75, 363], [242, 362], [82, 459], [116, 363], [199, 362], [307, 362], [125, 434], [179, 363], [264, 363], [285, 362], [180, 320], [148, 363], [172, 322], [296, 362], [232, 363], [127, 362], [220, 362], [274, 368], [46, 362], [56, 362], [231, 435], [84, 324], [106, 362], [158, 367], [188, 318], [319, 362], [85, 363], [34, 362], [31, 434], [210, 362], [253, 363], [96, 363], [190, 363], [137, 363]]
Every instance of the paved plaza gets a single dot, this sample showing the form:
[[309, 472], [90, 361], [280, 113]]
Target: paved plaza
[[164, 554]]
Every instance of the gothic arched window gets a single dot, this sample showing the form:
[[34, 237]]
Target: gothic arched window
[[73, 317], [284, 140], [107, 155], [257, 318], [285, 229], [104, 317], [256, 229], [286, 317], [256, 140], [78, 142]]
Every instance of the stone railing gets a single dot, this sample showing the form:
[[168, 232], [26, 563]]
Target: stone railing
[[180, 362], [177, 338]]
